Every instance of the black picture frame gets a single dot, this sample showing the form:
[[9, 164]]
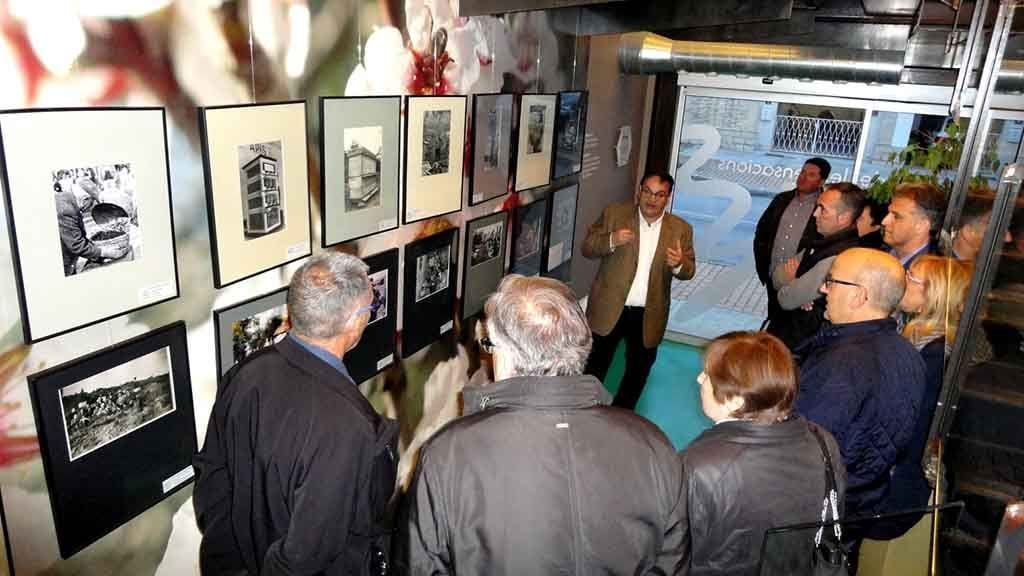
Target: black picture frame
[[560, 238], [428, 312], [254, 259], [96, 488], [483, 271], [344, 233], [527, 243], [224, 320], [376, 349], [569, 160], [455, 169], [50, 303], [481, 137]]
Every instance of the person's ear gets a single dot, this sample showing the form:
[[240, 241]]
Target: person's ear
[[860, 297], [734, 405], [923, 224]]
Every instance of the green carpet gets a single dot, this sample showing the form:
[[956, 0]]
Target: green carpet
[[671, 398]]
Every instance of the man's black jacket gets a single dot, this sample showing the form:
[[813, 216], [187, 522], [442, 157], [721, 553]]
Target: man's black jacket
[[296, 471]]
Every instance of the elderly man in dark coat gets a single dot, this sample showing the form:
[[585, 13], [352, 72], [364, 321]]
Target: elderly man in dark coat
[[297, 469], [541, 476]]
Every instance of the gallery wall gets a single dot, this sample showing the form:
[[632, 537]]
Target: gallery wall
[[528, 56], [616, 100]]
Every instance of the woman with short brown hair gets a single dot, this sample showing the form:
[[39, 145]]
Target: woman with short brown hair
[[759, 466]]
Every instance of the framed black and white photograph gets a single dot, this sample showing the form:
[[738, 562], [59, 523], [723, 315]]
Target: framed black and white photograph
[[535, 129], [116, 432], [379, 304], [360, 139], [485, 252], [376, 349], [257, 187], [105, 196], [486, 242], [527, 236], [536, 134], [492, 146], [435, 133], [248, 326], [262, 188], [363, 158], [570, 133], [86, 220], [432, 272], [431, 266], [436, 140], [112, 404], [561, 234]]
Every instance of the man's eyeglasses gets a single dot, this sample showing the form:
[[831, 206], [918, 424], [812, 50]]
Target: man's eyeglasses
[[360, 311], [830, 282], [647, 191], [486, 345]]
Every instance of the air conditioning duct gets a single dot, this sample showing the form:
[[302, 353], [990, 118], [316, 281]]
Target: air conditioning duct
[[647, 53]]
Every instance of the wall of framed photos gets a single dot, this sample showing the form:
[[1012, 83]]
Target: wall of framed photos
[[157, 535]]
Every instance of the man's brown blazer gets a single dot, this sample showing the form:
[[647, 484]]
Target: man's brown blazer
[[615, 276]]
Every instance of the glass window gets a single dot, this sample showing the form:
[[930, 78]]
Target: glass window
[[1002, 143], [893, 132], [734, 156]]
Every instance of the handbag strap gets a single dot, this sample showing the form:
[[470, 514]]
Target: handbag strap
[[830, 502]]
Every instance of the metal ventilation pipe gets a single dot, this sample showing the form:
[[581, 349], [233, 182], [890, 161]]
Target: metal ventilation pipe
[[647, 53]]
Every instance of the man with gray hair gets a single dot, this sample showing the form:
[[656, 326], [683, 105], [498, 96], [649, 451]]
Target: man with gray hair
[[541, 476], [297, 468]]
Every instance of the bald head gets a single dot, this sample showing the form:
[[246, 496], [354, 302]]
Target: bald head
[[867, 285]]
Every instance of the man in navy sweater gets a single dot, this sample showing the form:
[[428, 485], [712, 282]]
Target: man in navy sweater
[[859, 378]]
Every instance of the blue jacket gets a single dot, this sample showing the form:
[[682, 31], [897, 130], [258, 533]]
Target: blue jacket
[[865, 384], [909, 488]]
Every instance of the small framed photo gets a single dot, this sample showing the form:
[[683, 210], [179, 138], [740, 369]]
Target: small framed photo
[[570, 133], [376, 349], [257, 187], [492, 146], [561, 234], [430, 270], [249, 326], [435, 133], [117, 433], [360, 143], [87, 222], [485, 253], [536, 134], [527, 237]]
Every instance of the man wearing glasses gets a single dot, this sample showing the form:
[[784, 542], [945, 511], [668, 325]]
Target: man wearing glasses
[[297, 468], [540, 476], [859, 378], [641, 248]]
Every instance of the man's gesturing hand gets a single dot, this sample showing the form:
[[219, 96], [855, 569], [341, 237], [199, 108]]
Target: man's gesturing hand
[[674, 255], [622, 236]]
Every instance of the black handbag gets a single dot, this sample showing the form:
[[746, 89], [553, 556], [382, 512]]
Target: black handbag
[[830, 557]]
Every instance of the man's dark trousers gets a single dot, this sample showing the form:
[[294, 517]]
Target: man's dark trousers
[[639, 358]]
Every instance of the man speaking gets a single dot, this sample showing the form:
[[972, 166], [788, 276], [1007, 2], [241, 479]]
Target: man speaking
[[641, 248]]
